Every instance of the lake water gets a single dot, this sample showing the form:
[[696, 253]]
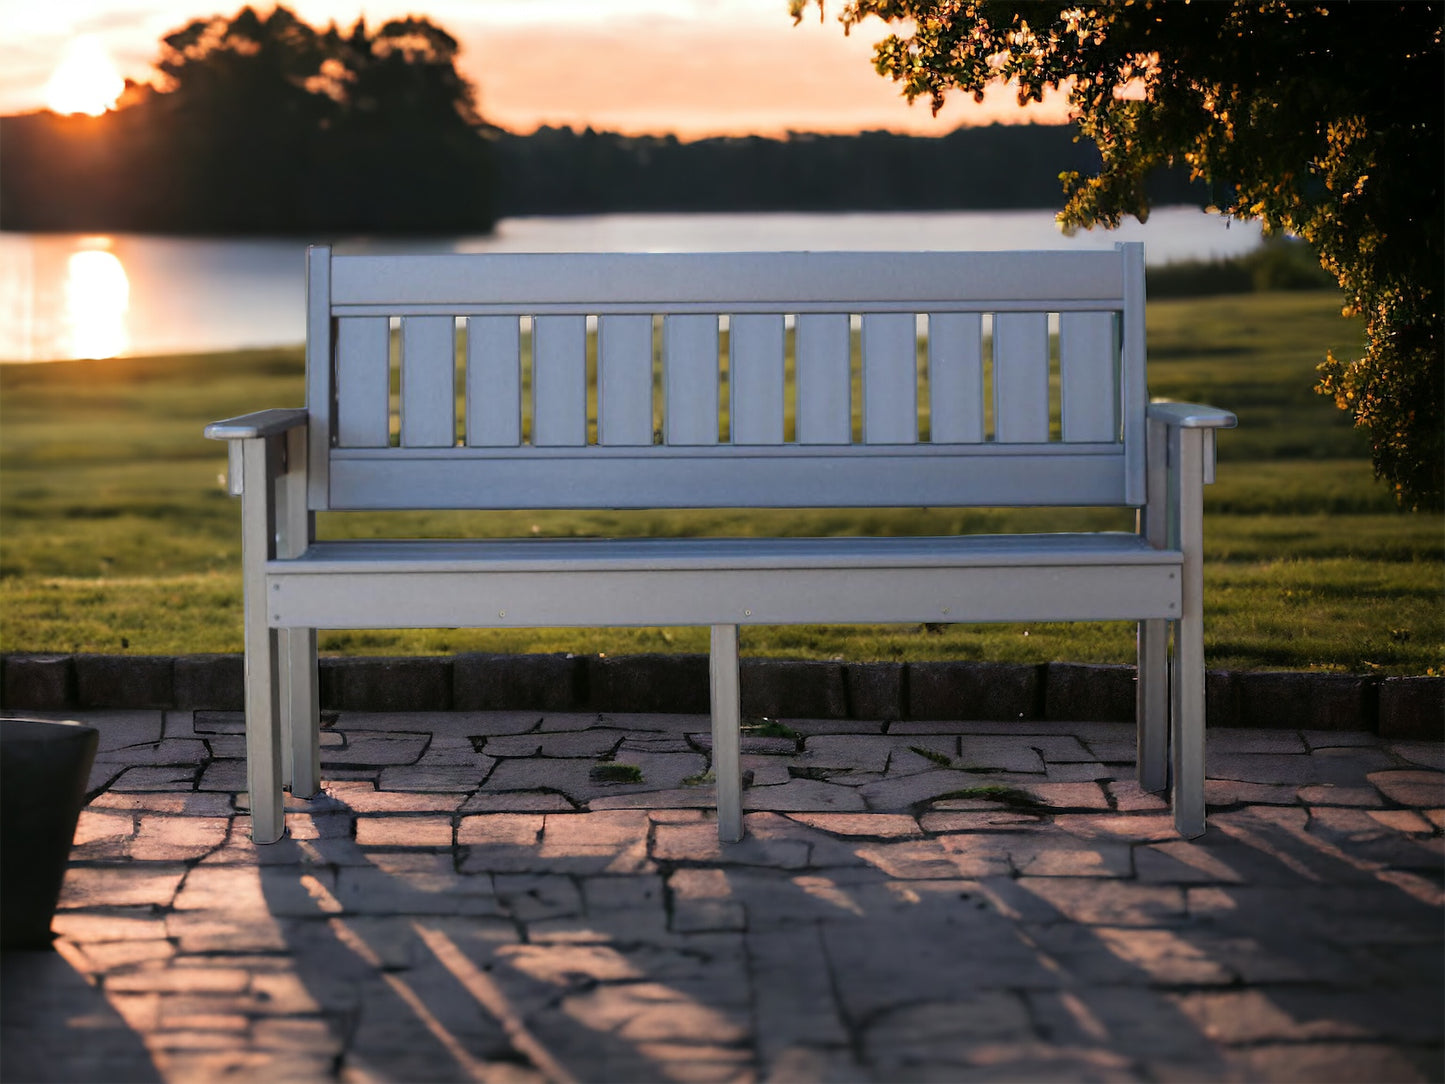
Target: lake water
[[84, 295]]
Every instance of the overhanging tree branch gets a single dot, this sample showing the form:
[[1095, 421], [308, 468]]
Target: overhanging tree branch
[[1322, 120]]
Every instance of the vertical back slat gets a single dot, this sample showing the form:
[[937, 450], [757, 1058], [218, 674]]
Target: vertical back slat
[[363, 382], [559, 381], [955, 377], [319, 386], [1086, 376], [890, 378], [690, 378], [1135, 393], [428, 382], [624, 380], [1021, 377], [755, 379], [494, 381], [824, 407]]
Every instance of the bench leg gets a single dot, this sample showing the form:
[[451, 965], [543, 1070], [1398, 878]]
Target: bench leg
[[300, 712], [1187, 737], [300, 706], [726, 733], [1151, 708], [263, 745], [1187, 722]]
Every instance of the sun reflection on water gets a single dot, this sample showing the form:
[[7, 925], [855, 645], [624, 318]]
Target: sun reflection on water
[[97, 299]]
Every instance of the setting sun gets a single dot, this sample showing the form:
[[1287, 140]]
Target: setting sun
[[86, 81]]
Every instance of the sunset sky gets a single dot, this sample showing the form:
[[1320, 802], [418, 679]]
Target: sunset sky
[[693, 67]]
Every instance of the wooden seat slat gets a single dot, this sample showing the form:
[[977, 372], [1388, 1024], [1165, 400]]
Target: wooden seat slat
[[542, 554]]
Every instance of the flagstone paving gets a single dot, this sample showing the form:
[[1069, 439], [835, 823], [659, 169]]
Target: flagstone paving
[[469, 900]]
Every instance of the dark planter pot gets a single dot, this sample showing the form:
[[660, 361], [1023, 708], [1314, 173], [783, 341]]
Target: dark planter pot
[[44, 767]]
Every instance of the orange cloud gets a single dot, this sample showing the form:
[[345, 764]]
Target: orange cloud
[[723, 78]]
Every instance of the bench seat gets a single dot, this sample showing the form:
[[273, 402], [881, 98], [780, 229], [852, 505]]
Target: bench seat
[[709, 581], [700, 554]]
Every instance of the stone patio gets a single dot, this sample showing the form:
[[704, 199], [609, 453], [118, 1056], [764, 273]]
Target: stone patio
[[470, 899]]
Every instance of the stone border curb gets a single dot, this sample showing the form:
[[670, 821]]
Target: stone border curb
[[1398, 707]]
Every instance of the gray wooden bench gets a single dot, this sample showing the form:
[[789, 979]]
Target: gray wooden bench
[[1035, 396]]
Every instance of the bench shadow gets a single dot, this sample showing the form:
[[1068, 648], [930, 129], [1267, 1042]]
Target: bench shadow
[[626, 944]]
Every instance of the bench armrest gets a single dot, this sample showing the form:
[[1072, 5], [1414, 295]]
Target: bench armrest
[[1191, 416], [263, 423], [1181, 417]]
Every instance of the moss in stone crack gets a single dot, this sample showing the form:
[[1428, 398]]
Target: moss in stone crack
[[769, 728], [931, 754], [708, 778], [808, 771], [615, 773], [997, 792]]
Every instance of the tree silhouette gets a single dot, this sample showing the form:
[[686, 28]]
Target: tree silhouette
[[263, 124]]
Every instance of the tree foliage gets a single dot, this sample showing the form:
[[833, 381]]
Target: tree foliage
[[263, 123], [342, 128], [1323, 120]]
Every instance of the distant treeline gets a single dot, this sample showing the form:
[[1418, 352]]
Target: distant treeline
[[562, 171]]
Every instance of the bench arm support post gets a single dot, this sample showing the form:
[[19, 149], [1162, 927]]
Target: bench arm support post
[[1186, 733], [1181, 451], [264, 768], [300, 687], [1151, 708], [267, 464]]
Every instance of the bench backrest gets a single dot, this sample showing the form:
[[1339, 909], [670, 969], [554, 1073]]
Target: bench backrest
[[1000, 378]]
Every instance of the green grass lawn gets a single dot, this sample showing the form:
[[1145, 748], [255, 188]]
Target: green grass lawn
[[116, 534]]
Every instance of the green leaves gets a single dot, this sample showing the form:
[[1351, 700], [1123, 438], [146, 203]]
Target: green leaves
[[1323, 120]]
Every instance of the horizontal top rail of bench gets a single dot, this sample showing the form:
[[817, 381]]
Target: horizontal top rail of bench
[[790, 282]]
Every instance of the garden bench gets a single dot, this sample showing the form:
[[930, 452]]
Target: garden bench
[[1034, 396]]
